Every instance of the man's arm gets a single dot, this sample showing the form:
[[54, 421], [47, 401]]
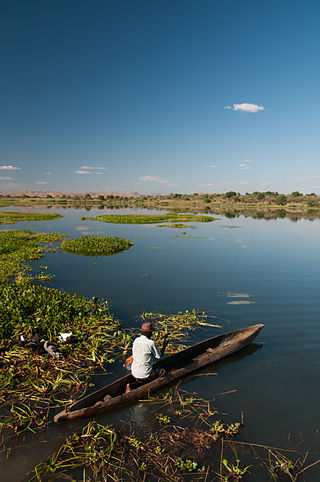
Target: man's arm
[[155, 350]]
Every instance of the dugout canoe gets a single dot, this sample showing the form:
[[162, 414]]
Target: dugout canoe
[[177, 365]]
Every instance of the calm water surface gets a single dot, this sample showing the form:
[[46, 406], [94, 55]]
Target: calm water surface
[[243, 271]]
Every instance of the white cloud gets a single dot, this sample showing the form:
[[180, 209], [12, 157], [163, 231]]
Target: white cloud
[[40, 183], [306, 178], [245, 107], [159, 180], [212, 166], [5, 178], [94, 168], [244, 167], [48, 172], [247, 160], [10, 168], [90, 170]]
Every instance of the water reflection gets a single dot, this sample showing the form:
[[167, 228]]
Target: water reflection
[[267, 213]]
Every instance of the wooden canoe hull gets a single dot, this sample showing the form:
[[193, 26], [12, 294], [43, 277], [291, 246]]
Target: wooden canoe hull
[[178, 366]]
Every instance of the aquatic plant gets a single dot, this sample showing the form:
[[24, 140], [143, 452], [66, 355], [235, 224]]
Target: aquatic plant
[[17, 247], [174, 451], [173, 217], [176, 225], [11, 217], [178, 326], [96, 245], [30, 380], [234, 471], [181, 447]]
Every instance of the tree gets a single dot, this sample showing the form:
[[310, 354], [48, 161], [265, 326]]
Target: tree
[[282, 199], [230, 194]]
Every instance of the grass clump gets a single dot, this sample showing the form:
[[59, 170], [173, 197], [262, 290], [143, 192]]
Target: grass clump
[[17, 247], [96, 245], [11, 217], [151, 218]]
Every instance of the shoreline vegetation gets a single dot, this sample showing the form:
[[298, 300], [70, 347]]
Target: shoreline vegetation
[[261, 205]]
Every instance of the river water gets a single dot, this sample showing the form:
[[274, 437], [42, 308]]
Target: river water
[[243, 271]]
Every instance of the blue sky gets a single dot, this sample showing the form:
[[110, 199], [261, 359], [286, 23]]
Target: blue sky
[[160, 96]]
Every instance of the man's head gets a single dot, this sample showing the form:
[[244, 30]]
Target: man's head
[[146, 328]]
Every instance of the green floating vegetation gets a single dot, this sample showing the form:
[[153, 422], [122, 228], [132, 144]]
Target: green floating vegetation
[[189, 441], [151, 218], [177, 326], [11, 217], [17, 247], [96, 245], [172, 452], [176, 225], [31, 381]]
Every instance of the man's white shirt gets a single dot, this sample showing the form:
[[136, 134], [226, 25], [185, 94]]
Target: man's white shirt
[[145, 352]]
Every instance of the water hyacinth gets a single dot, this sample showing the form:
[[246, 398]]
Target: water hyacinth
[[189, 442], [30, 380], [96, 245], [11, 217], [173, 217], [33, 382], [17, 247]]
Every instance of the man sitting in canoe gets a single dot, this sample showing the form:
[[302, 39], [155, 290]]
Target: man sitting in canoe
[[145, 352]]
